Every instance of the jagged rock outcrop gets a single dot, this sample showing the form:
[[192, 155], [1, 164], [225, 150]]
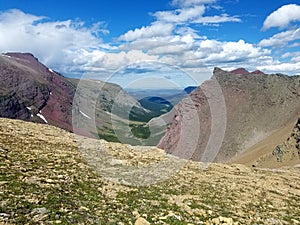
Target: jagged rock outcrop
[[255, 106], [292, 144], [296, 135]]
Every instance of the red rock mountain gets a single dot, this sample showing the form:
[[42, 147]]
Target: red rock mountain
[[244, 71], [32, 92], [230, 113], [240, 71]]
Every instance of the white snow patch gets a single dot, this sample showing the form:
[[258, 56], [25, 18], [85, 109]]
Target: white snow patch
[[29, 108], [7, 56], [31, 115], [42, 117], [82, 113], [50, 93], [51, 70]]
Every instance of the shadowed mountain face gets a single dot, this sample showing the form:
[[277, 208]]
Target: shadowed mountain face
[[30, 91], [256, 105]]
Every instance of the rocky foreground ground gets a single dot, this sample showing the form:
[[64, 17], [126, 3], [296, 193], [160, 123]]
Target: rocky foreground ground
[[49, 176]]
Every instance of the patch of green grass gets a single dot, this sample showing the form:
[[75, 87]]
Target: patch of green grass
[[107, 134], [140, 131]]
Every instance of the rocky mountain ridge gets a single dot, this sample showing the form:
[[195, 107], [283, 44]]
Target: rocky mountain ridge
[[255, 106]]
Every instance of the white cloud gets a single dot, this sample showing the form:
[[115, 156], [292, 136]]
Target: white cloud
[[291, 68], [159, 37], [156, 29], [98, 61], [212, 51], [206, 20], [54, 43], [190, 51], [180, 15], [167, 50], [72, 48], [281, 39], [183, 31], [283, 16], [193, 15]]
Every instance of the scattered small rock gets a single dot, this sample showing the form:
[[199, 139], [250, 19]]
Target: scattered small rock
[[83, 208], [141, 221], [42, 210], [136, 214], [4, 215]]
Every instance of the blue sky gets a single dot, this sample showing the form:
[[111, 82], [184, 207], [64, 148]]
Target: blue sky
[[98, 38]]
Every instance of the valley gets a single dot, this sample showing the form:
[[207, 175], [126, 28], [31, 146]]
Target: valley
[[169, 112]]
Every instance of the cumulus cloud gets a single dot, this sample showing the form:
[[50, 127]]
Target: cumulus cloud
[[162, 36], [156, 29], [169, 22], [180, 15], [73, 48], [193, 15], [281, 39], [99, 61], [216, 52], [54, 43], [291, 68], [282, 17]]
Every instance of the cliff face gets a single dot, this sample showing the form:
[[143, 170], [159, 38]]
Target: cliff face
[[255, 105]]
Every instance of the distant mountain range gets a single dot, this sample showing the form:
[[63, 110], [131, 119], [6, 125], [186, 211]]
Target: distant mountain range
[[161, 102]]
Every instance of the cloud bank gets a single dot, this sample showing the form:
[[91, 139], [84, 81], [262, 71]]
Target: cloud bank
[[74, 48]]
